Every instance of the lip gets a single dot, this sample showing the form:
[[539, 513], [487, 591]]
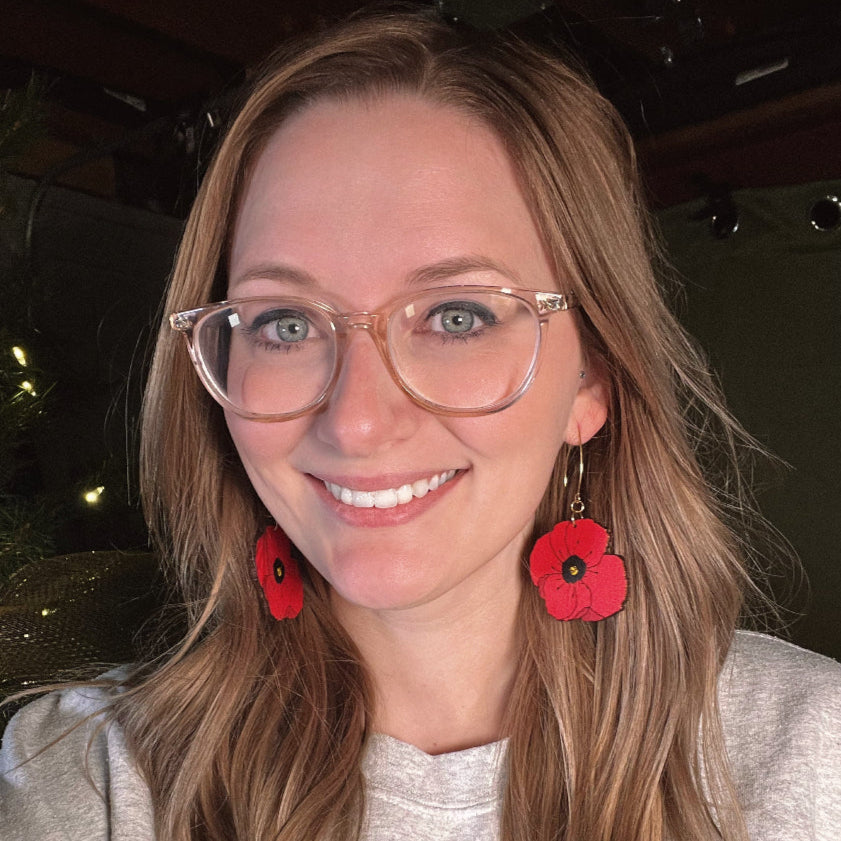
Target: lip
[[381, 517]]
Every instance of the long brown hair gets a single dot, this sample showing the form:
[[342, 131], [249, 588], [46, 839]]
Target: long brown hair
[[254, 728]]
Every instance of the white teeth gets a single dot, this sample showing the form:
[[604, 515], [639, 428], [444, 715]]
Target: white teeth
[[404, 494], [389, 497], [362, 499], [385, 499]]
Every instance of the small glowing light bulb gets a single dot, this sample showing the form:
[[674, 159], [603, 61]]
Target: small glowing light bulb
[[92, 497], [29, 388], [20, 354]]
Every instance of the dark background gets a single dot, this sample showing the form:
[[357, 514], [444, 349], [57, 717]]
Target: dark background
[[736, 109]]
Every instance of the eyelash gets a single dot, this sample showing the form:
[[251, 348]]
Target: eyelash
[[451, 338], [485, 317], [264, 320]]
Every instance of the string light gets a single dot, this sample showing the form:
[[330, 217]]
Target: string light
[[29, 388], [20, 354], [92, 497]]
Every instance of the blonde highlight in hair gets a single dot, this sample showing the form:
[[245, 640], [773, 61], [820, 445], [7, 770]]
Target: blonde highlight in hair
[[255, 729]]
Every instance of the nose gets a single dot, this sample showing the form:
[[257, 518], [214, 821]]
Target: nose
[[367, 411]]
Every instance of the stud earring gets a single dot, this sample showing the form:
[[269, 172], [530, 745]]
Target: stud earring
[[278, 574], [570, 567]]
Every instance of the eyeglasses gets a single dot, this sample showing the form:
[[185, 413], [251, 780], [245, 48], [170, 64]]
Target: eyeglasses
[[456, 350]]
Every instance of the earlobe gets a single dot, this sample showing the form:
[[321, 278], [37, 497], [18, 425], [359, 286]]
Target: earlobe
[[589, 409]]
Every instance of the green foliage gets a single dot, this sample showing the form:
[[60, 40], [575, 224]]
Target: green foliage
[[26, 520], [26, 532], [22, 400], [21, 118], [22, 124]]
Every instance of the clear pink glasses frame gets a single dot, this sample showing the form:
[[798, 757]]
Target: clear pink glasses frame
[[542, 305]]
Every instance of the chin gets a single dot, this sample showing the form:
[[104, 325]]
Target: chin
[[378, 591]]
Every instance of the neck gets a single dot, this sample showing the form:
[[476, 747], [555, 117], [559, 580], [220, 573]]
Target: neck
[[442, 678]]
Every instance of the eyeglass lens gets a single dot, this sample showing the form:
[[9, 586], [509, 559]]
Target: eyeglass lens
[[456, 349]]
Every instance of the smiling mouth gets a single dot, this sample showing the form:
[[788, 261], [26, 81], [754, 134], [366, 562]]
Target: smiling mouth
[[389, 497]]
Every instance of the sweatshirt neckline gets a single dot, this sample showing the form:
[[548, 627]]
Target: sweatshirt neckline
[[458, 779]]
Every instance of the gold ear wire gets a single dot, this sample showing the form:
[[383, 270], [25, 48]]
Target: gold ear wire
[[576, 507]]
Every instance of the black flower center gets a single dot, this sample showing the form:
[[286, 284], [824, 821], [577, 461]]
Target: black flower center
[[278, 570], [573, 569]]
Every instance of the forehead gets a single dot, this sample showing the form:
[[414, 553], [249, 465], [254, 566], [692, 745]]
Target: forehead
[[383, 184]]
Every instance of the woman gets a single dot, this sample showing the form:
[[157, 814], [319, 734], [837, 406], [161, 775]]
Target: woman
[[445, 645]]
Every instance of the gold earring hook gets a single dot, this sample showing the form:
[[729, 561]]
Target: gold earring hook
[[576, 507]]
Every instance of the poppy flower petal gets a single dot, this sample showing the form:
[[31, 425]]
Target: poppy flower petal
[[278, 574], [559, 540], [563, 601], [586, 539], [608, 584], [544, 560]]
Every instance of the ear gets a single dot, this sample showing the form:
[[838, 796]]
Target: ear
[[589, 409]]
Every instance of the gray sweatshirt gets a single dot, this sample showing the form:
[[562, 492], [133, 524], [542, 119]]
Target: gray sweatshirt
[[781, 708]]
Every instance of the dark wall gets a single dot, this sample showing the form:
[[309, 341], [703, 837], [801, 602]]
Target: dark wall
[[765, 302]]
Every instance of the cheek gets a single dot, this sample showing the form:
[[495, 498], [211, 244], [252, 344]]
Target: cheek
[[263, 447], [524, 439], [542, 414]]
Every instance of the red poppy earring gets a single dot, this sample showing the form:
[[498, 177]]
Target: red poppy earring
[[278, 574], [576, 579]]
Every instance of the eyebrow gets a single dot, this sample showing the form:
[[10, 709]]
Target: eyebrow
[[423, 276], [454, 266], [279, 272]]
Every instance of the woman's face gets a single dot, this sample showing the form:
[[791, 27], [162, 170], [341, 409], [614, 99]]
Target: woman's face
[[346, 204]]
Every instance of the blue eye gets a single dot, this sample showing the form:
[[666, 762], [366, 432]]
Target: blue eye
[[460, 317], [286, 326], [457, 321], [291, 328]]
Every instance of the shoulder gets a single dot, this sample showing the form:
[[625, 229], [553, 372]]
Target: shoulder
[[54, 713], [765, 670], [781, 714], [65, 772]]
